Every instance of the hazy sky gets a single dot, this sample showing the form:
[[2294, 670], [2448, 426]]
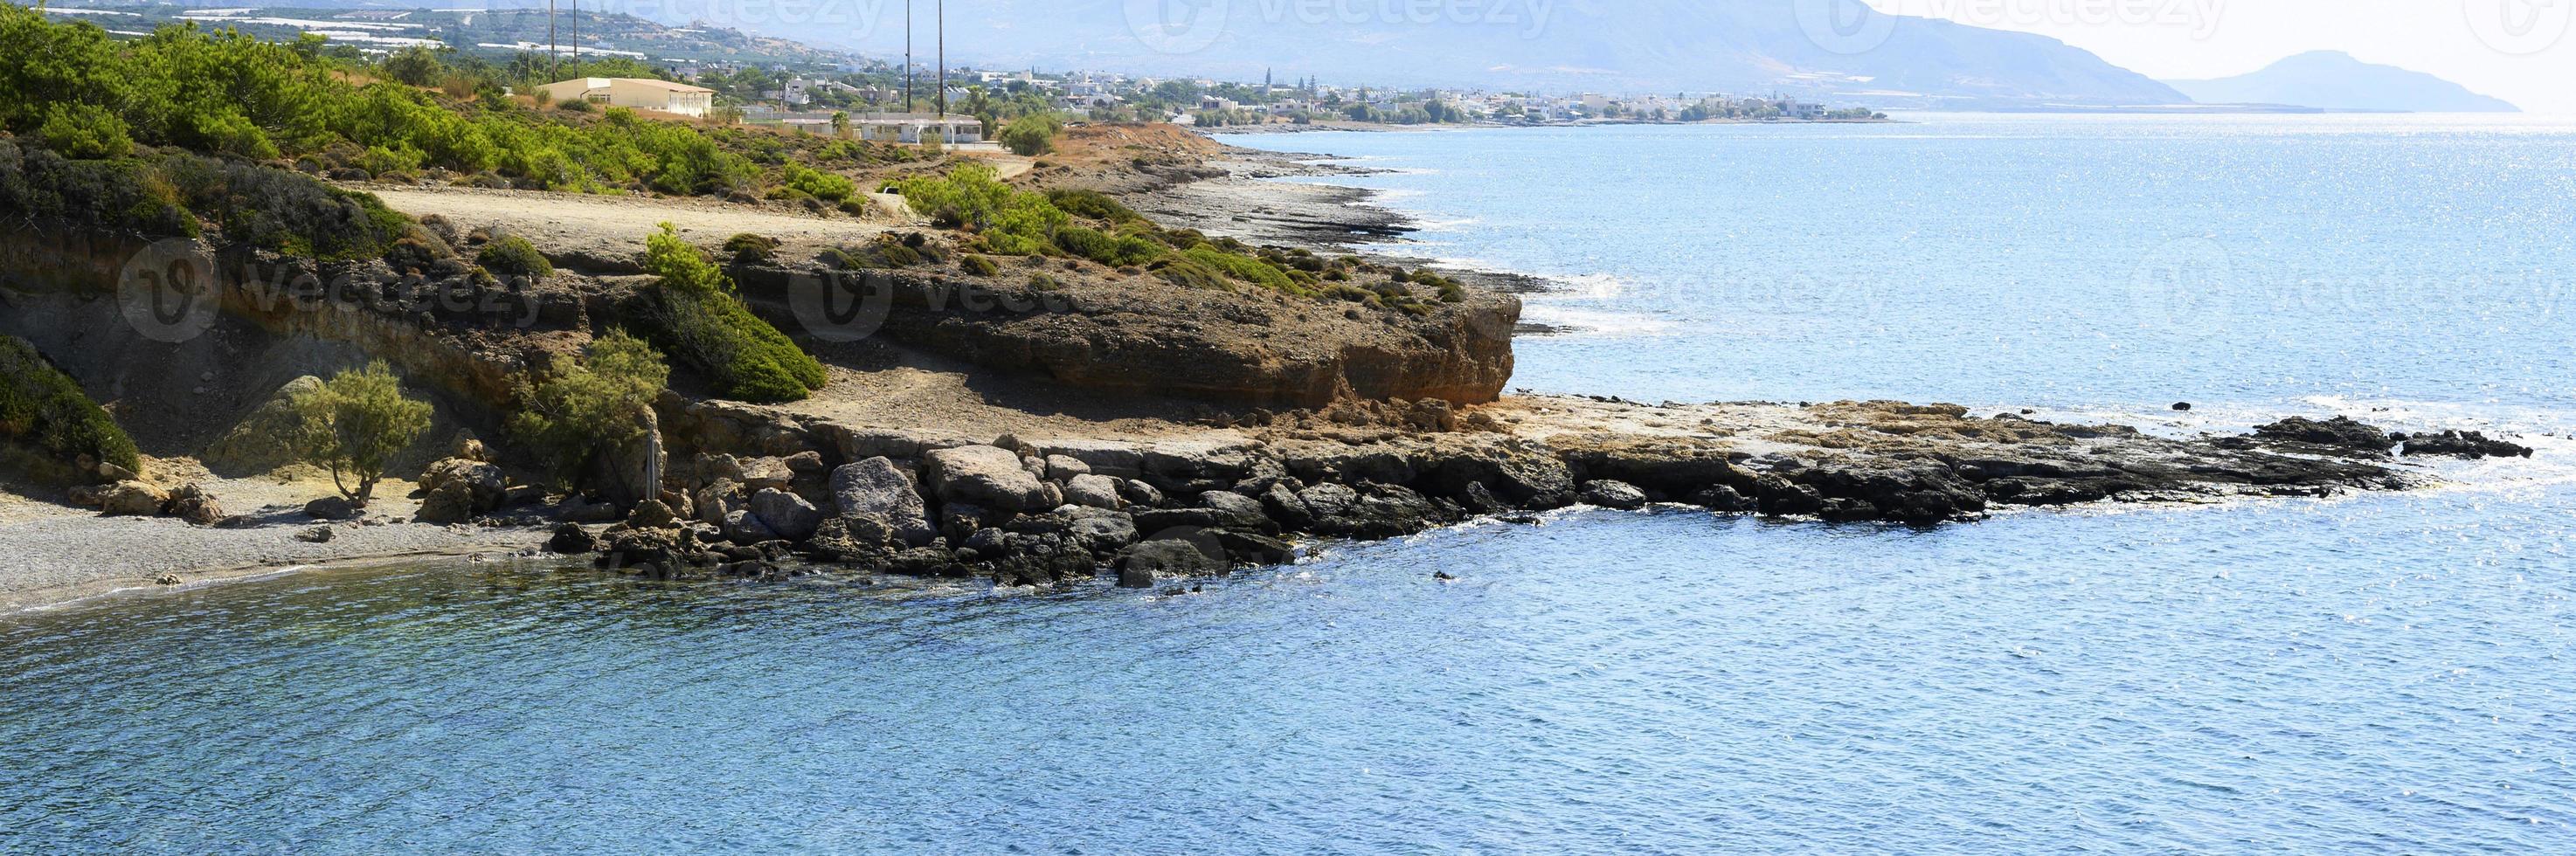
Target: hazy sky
[[2523, 51]]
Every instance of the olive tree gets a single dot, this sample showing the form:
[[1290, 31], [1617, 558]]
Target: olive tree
[[355, 423]]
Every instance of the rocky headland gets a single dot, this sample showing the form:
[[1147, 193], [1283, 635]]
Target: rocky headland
[[1030, 422]]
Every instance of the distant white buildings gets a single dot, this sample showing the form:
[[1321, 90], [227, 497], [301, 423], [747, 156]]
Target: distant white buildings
[[636, 93], [914, 128]]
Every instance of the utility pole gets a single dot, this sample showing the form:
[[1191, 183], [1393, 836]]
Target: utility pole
[[907, 56], [554, 52], [576, 38], [943, 60]]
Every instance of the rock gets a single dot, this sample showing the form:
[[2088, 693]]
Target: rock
[[1140, 565], [1328, 500], [166, 578], [467, 447], [2472, 445], [1780, 497], [876, 488], [988, 476], [315, 535], [132, 499], [1723, 499], [1285, 507], [1254, 549], [1065, 467], [1092, 491], [652, 514], [1101, 532], [1138, 493], [2340, 432], [786, 514], [1168, 519], [746, 529], [718, 500], [2182, 407], [262, 440], [1522, 477], [1236, 511], [193, 504], [332, 508], [88, 495], [459, 489], [113, 473], [1614, 494], [1481, 501], [571, 540]]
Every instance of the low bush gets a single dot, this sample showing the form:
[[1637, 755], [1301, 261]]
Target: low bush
[[820, 184], [750, 249], [694, 316], [1031, 135], [591, 408], [1093, 204], [979, 266], [45, 411], [511, 255]]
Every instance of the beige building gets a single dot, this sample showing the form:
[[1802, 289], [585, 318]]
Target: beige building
[[951, 129], [636, 92]]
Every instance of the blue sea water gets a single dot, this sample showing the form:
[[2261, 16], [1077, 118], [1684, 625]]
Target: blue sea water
[[2385, 673]]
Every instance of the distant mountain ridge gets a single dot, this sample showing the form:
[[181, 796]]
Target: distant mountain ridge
[[1741, 46], [2334, 80]]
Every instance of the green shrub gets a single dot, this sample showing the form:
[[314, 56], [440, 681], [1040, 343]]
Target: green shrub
[[85, 131], [750, 249], [821, 185], [511, 255], [45, 410], [1093, 204], [694, 316], [969, 196], [593, 407], [1245, 268], [1114, 251], [979, 266], [355, 423], [1030, 135]]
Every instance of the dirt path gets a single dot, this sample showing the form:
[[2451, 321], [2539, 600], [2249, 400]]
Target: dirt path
[[616, 225]]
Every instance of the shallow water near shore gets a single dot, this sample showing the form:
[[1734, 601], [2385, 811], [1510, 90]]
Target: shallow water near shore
[[2371, 673]]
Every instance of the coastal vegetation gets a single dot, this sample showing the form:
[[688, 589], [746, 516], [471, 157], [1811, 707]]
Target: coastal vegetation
[[511, 255], [45, 410], [1086, 224], [82, 94], [693, 315], [1031, 135], [355, 423], [601, 403]]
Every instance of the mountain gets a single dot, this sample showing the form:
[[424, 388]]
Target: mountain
[[2334, 80], [1739, 46]]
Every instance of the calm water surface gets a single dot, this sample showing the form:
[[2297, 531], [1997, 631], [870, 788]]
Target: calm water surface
[[2378, 674]]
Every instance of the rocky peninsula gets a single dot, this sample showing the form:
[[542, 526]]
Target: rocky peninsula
[[1029, 421]]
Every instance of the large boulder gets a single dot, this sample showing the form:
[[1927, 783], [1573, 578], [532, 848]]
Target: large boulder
[[332, 508], [132, 499], [1140, 565], [745, 528], [459, 489], [2341, 432], [987, 476], [193, 504], [786, 514], [1236, 511], [1092, 491], [1614, 494], [264, 438], [875, 488]]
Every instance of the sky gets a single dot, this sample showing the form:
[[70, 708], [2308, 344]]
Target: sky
[[2523, 51]]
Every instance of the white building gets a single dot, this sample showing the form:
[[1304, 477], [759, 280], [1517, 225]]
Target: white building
[[913, 128], [637, 93]]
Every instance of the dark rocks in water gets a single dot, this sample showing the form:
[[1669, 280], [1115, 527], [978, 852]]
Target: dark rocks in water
[[1443, 576], [649, 514], [1723, 499], [1284, 507], [1779, 497], [1481, 501], [1614, 495], [1140, 565], [2182, 406], [1251, 549], [2473, 445], [1236, 511], [1921, 494], [2341, 432], [571, 540], [877, 488], [786, 514]]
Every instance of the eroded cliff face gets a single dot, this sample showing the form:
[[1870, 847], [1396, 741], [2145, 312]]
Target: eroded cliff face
[[180, 341], [1137, 335]]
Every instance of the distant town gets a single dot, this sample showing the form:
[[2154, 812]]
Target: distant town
[[731, 77]]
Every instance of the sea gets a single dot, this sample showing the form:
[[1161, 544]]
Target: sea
[[2367, 673]]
